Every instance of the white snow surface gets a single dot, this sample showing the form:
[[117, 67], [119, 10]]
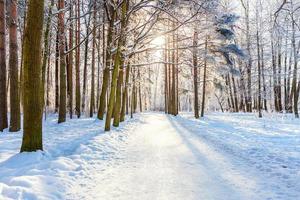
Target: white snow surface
[[157, 157]]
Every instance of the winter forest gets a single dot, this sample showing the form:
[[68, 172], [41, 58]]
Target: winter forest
[[149, 99]]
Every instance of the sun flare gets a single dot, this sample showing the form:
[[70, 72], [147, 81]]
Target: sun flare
[[159, 41]]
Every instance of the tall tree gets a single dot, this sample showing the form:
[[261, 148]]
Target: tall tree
[[166, 81], [195, 67], [70, 64], [15, 121], [125, 93], [3, 93], [46, 52], [246, 7], [77, 67], [32, 78], [111, 14], [86, 51], [204, 78], [92, 99], [259, 74], [62, 63], [57, 72], [117, 62]]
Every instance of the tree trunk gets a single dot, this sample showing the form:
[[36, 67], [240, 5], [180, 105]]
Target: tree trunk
[[32, 77], [117, 106], [286, 92], [166, 78], [259, 74], [46, 50], [140, 90], [169, 75], [70, 67], [275, 88], [3, 78], [92, 99], [263, 79], [290, 100], [249, 63], [86, 48], [204, 80], [125, 94], [195, 66], [295, 73], [22, 55], [46, 56], [235, 96], [173, 86], [62, 58], [57, 72], [15, 122], [48, 78], [134, 96], [77, 64], [177, 74], [230, 93], [279, 77], [106, 71], [116, 66], [243, 93], [100, 62], [133, 99]]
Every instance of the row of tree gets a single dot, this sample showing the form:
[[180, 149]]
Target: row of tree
[[114, 57], [268, 79]]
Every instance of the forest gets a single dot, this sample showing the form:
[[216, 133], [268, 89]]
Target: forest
[[149, 99]]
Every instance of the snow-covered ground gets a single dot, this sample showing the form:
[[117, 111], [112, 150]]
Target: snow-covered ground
[[157, 157]]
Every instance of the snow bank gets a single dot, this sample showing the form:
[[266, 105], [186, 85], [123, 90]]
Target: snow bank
[[267, 149], [50, 174]]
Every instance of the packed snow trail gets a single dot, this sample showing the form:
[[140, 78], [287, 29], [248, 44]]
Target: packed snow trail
[[160, 162], [158, 157]]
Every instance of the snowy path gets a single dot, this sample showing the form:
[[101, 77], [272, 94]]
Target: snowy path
[[161, 162], [158, 157]]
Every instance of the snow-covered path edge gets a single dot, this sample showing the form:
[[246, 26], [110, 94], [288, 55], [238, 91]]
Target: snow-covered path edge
[[262, 155], [71, 151]]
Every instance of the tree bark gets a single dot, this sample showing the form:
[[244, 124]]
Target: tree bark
[[140, 90], [117, 106], [3, 77], [106, 71], [279, 76], [15, 121], [77, 64], [166, 78], [62, 59], [259, 74], [204, 80], [263, 79], [70, 66], [275, 88], [92, 99], [248, 95], [125, 94], [57, 72], [116, 67], [32, 77], [46, 55], [86, 47], [295, 72], [195, 66]]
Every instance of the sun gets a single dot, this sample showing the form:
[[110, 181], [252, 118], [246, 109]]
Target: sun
[[159, 41]]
